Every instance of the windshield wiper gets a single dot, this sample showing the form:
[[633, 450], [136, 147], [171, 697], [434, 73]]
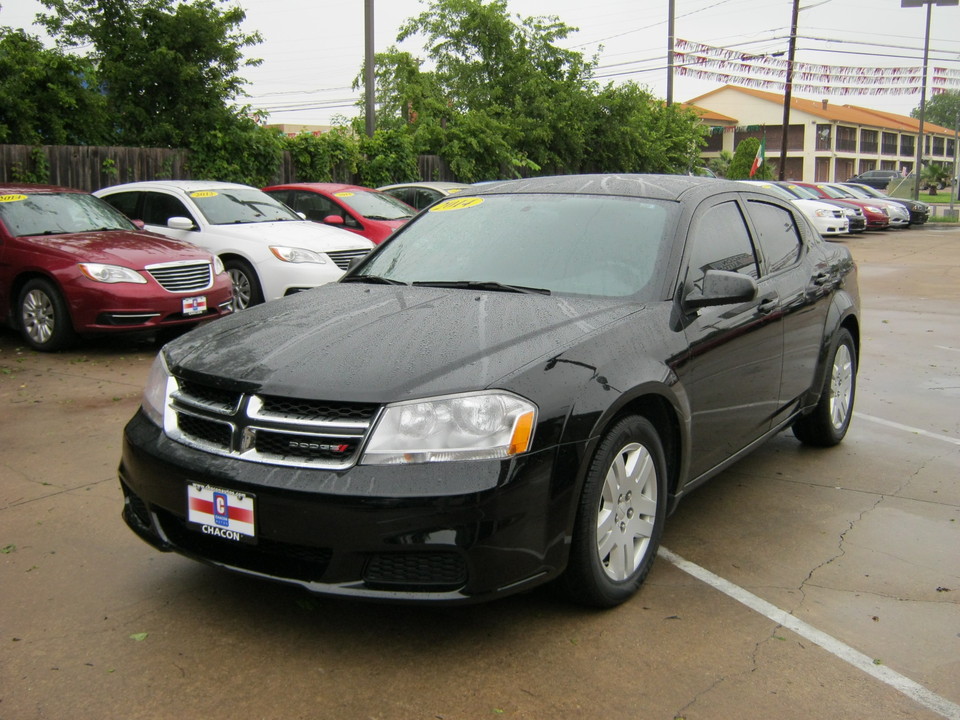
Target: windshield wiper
[[375, 279], [483, 285]]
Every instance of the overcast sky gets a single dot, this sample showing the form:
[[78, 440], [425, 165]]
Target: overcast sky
[[313, 50]]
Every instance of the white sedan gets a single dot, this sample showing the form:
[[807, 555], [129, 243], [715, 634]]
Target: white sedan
[[826, 218], [269, 250]]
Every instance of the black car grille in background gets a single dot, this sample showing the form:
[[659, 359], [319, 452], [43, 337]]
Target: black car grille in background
[[269, 429], [343, 258], [182, 276]]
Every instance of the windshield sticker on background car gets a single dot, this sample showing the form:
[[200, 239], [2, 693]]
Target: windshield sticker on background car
[[204, 194], [456, 204], [12, 198], [343, 194]]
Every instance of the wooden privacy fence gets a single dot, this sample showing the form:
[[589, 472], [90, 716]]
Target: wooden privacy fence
[[91, 168]]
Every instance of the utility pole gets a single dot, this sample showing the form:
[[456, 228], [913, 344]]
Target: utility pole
[[369, 76], [788, 90], [923, 85], [670, 44]]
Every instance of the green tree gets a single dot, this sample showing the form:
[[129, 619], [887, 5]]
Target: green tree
[[46, 96], [504, 99], [743, 158], [942, 109], [168, 69]]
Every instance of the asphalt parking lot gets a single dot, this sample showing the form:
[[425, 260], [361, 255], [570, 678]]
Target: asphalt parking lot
[[800, 583]]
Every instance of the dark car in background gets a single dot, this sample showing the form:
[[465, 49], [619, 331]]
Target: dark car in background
[[423, 194], [919, 211], [878, 179], [71, 265], [517, 387]]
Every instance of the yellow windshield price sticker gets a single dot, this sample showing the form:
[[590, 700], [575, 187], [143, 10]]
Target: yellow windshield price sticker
[[456, 204], [343, 194], [203, 194], [12, 198]]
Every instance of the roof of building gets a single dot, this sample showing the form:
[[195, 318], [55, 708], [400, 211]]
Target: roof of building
[[709, 115], [847, 114]]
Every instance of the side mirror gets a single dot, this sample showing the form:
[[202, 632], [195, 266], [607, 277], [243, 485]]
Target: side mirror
[[721, 287], [180, 223], [139, 224], [333, 220]]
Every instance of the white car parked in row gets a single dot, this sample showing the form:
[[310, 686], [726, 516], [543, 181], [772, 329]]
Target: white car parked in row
[[826, 218], [269, 250]]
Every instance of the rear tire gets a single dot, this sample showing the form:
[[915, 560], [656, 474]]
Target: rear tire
[[246, 285], [620, 517], [827, 425], [43, 317]]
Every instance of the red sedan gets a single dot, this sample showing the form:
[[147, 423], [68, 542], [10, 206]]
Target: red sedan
[[876, 217], [365, 211], [72, 265]]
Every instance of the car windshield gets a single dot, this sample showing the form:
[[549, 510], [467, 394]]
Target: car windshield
[[867, 191], [839, 193], [58, 214], [576, 244], [803, 192], [240, 205], [775, 189], [375, 205], [859, 193]]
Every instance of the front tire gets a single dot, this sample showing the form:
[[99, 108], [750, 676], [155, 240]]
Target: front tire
[[43, 317], [246, 285], [827, 425], [620, 517]]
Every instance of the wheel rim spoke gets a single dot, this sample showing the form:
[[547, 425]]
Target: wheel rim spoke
[[841, 386], [627, 512], [38, 317]]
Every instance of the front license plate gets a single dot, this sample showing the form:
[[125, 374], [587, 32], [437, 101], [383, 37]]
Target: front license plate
[[225, 514], [195, 305]]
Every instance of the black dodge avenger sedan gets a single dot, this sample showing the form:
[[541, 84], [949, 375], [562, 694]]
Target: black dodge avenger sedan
[[515, 388]]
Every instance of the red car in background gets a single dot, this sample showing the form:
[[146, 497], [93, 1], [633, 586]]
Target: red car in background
[[365, 211], [876, 217], [71, 265]]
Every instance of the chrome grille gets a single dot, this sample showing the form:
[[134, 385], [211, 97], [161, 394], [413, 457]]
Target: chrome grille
[[184, 276], [343, 258], [268, 429]]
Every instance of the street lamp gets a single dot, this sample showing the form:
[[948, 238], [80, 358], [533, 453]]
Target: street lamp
[[923, 86]]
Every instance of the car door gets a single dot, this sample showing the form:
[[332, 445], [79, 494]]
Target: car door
[[793, 258], [731, 371]]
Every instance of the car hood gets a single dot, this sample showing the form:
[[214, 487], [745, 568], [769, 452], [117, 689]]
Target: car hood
[[364, 343], [117, 247], [295, 233]]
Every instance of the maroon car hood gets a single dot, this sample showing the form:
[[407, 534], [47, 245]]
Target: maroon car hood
[[117, 247]]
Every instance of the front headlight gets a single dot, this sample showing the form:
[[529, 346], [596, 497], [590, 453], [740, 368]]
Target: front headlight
[[218, 268], [874, 209], [297, 255], [820, 212], [475, 426], [157, 390], [111, 273]]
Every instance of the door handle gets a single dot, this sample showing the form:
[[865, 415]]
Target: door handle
[[767, 306]]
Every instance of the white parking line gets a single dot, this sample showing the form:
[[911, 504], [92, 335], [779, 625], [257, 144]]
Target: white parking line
[[902, 684], [907, 428]]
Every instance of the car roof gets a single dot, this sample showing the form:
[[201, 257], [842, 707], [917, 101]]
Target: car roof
[[326, 187], [10, 188], [662, 187], [439, 185], [184, 185]]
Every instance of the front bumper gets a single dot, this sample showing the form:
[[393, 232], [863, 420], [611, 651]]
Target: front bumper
[[452, 532]]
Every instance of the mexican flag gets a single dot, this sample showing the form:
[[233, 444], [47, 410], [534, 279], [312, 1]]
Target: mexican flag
[[760, 158]]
